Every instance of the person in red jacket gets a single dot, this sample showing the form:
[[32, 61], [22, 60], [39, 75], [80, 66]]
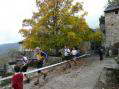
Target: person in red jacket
[[17, 79]]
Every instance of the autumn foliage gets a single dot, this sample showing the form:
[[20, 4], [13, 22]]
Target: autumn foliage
[[55, 24]]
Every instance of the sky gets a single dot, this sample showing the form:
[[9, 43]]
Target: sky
[[13, 12]]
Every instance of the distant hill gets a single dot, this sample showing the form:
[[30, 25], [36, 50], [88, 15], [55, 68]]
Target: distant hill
[[5, 52], [4, 48]]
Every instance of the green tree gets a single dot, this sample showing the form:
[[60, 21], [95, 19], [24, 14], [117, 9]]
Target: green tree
[[113, 2], [55, 24]]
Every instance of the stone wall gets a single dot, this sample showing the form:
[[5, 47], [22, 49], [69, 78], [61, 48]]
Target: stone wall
[[112, 28]]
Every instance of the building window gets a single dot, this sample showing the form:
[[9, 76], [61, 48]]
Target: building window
[[116, 12]]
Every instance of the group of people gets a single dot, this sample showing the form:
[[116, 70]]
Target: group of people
[[22, 65], [70, 54], [40, 57]]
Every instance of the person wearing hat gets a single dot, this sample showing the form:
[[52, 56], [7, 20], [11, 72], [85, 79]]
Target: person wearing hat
[[40, 56]]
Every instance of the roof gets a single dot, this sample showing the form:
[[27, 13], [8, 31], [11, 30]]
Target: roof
[[111, 8]]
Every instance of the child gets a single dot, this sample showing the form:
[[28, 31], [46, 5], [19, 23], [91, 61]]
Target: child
[[17, 79]]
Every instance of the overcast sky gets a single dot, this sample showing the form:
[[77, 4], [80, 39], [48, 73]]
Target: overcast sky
[[12, 13]]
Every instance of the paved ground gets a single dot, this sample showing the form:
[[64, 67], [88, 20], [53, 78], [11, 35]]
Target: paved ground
[[83, 77]]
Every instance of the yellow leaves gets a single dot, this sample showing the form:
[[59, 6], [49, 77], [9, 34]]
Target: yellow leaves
[[60, 0], [71, 35], [77, 7], [24, 32], [91, 36], [77, 24], [52, 3], [73, 38], [71, 20], [83, 25], [49, 3], [97, 36], [55, 24]]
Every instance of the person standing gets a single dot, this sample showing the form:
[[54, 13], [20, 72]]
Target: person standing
[[24, 66], [74, 53], [100, 52], [67, 53], [67, 56], [40, 56], [110, 52], [17, 78]]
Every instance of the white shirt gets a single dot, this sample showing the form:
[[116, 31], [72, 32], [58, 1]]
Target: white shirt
[[74, 52], [66, 51], [25, 60]]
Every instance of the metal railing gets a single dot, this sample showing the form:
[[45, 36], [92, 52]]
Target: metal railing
[[47, 67]]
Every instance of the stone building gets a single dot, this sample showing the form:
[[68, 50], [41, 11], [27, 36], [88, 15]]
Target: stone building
[[110, 25]]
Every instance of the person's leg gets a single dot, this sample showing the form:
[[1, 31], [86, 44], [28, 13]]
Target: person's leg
[[101, 58], [27, 78], [44, 73], [37, 81], [24, 69], [68, 58], [68, 64], [74, 59], [39, 65]]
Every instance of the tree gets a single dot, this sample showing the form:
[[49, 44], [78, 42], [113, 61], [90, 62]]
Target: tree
[[55, 24], [113, 2]]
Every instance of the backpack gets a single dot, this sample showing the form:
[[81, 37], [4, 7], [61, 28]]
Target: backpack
[[44, 54]]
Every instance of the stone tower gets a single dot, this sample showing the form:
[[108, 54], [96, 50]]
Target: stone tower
[[111, 25]]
